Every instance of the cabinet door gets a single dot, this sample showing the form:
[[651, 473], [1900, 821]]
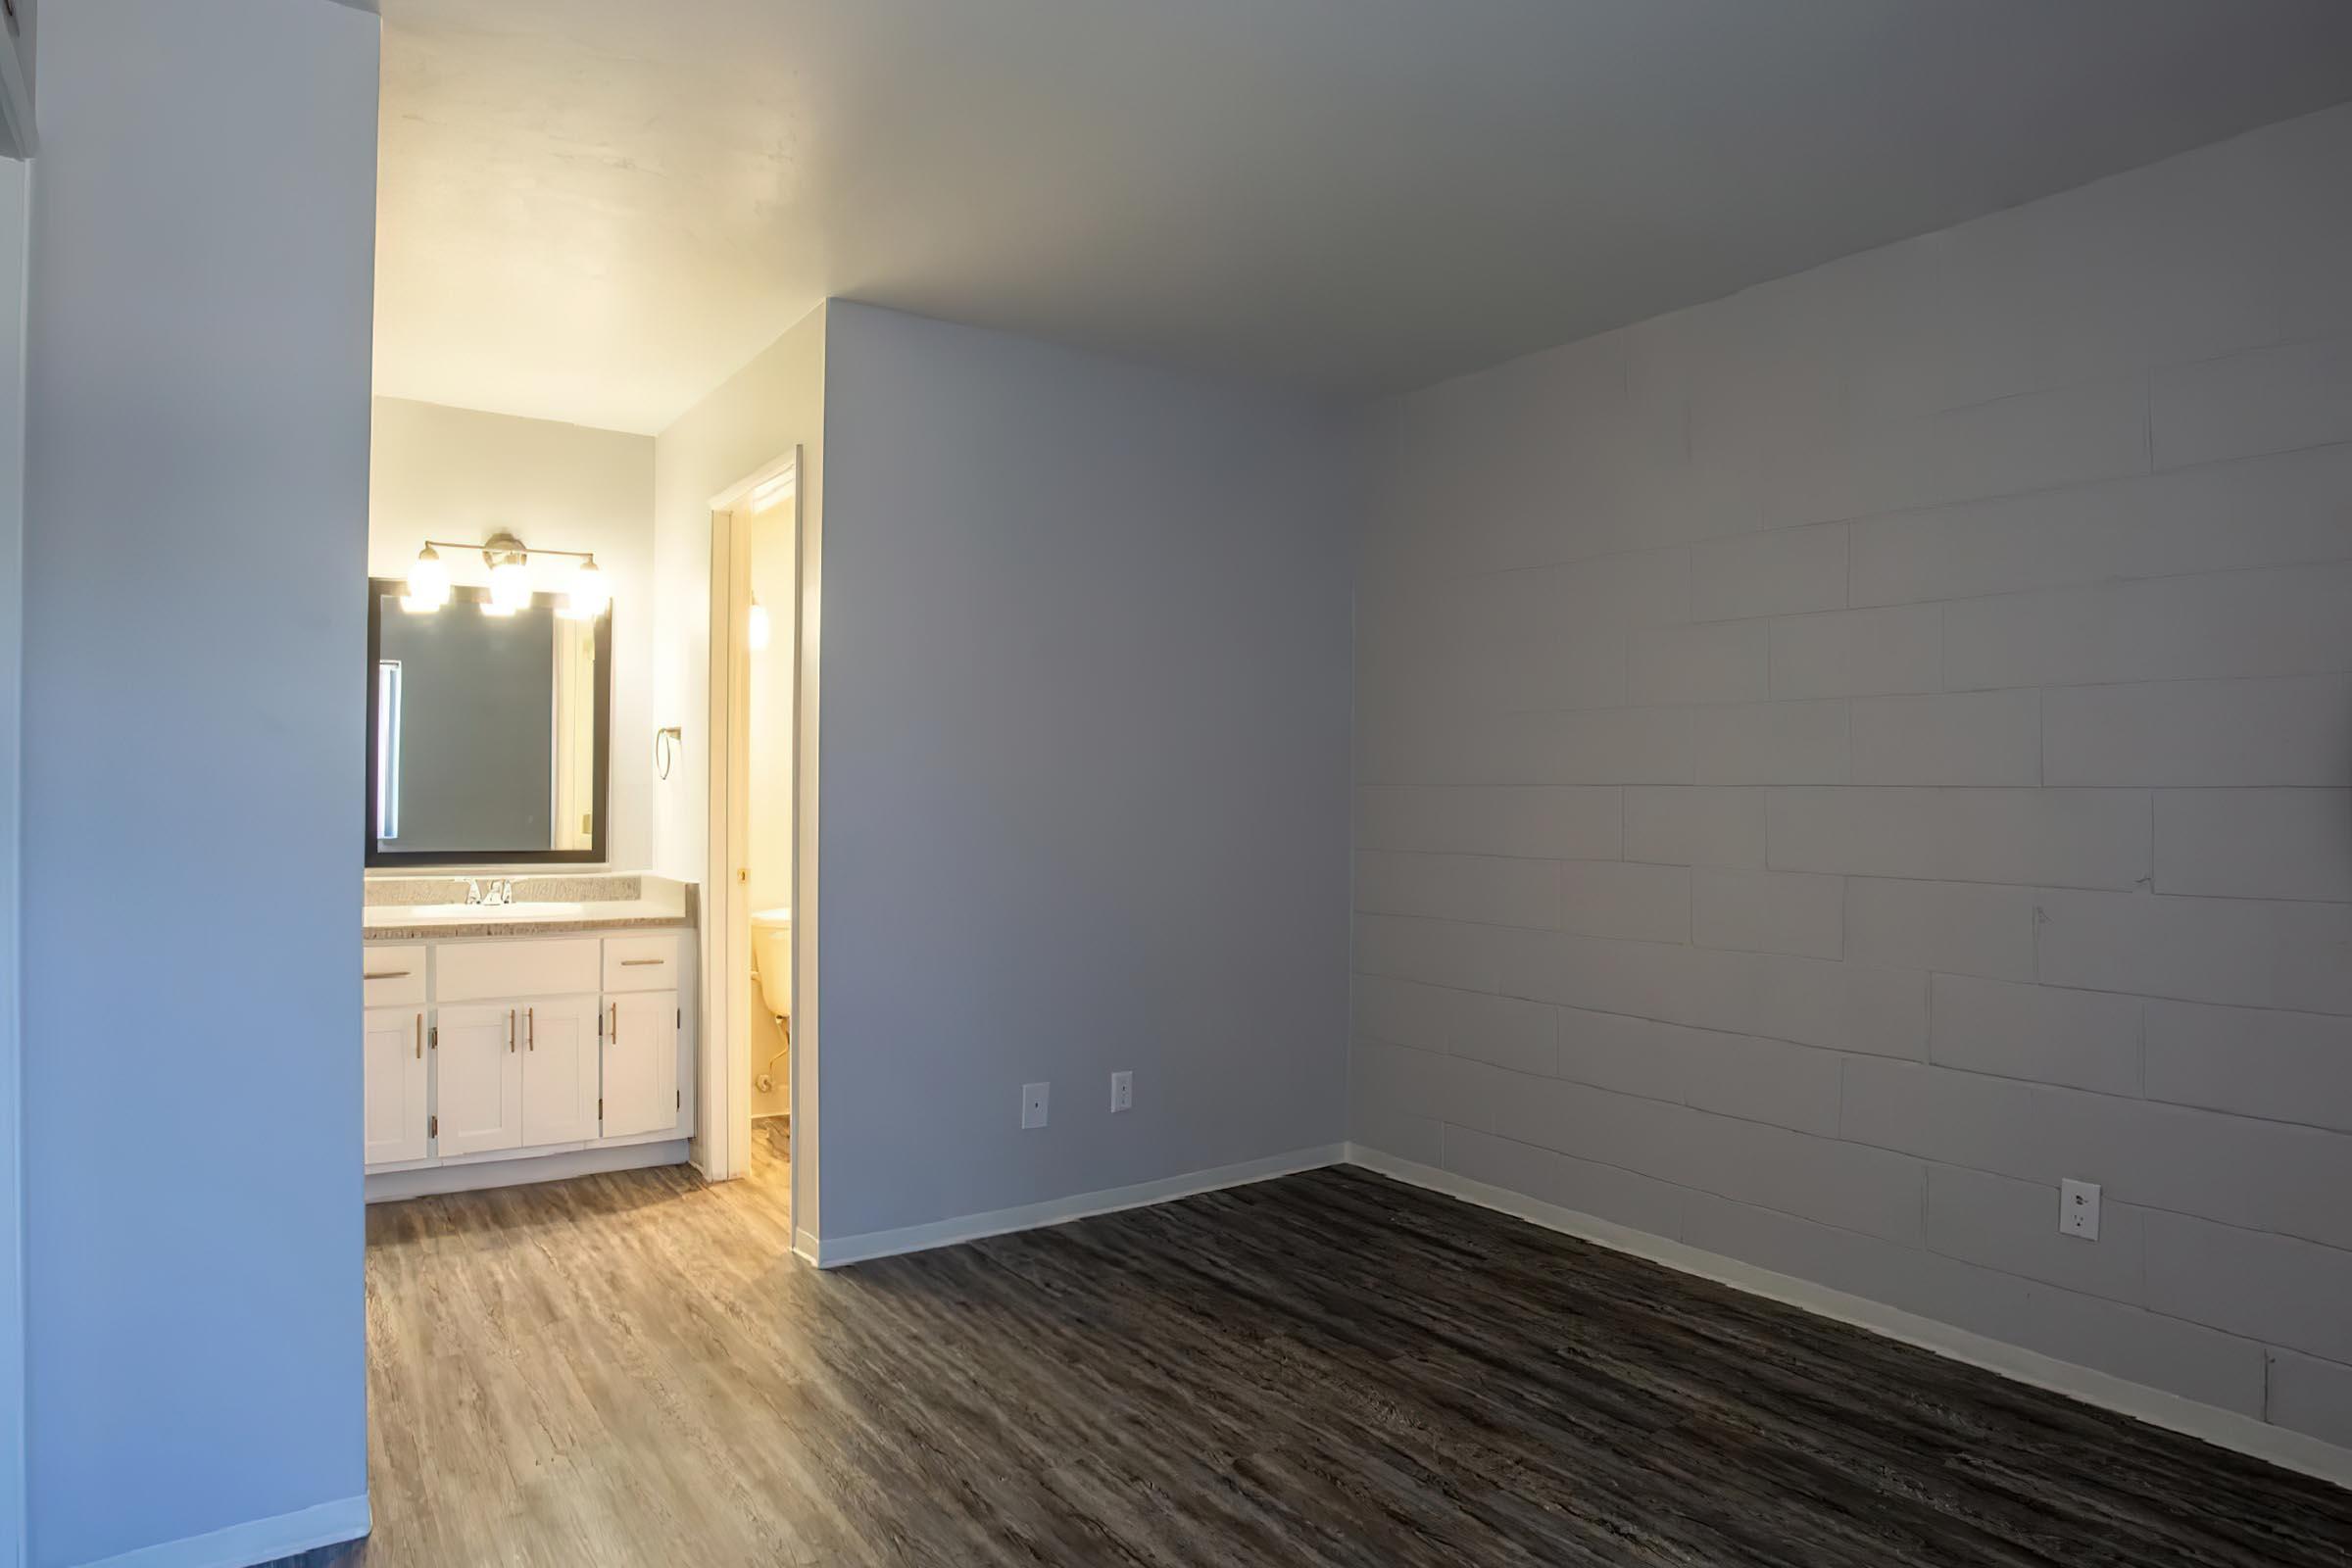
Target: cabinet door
[[479, 1094], [393, 1079], [559, 1060], [641, 1062]]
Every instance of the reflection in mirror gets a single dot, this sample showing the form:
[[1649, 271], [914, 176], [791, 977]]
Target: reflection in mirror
[[486, 734]]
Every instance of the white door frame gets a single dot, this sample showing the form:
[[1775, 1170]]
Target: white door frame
[[727, 1072]]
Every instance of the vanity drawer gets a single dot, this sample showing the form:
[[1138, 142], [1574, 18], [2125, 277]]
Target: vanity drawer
[[392, 977], [484, 971], [642, 963]]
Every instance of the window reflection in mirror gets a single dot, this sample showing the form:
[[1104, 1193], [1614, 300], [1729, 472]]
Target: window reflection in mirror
[[486, 734]]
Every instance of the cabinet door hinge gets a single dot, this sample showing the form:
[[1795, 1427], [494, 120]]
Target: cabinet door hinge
[[600, 1111], [432, 1037], [432, 1126], [678, 1098], [678, 1017]]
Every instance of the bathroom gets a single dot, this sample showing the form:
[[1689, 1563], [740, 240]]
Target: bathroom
[[536, 934], [768, 733]]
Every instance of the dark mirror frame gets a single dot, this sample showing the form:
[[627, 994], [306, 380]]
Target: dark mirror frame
[[378, 589]]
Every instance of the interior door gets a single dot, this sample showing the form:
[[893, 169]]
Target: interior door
[[393, 1078], [560, 1068], [641, 1064], [480, 1099]]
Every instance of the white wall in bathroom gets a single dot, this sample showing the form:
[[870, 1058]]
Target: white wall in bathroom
[[772, 547], [196, 486], [459, 473], [758, 416], [771, 739]]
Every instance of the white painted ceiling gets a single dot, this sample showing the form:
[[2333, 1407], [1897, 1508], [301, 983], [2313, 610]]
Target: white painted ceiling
[[595, 210]]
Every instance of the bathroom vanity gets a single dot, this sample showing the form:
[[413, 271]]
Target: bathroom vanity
[[519, 1024], [524, 1042]]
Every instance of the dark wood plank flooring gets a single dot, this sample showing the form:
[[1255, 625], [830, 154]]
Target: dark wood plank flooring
[[1327, 1369]]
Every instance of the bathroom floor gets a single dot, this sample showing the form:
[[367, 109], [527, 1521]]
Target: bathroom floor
[[1326, 1369], [771, 1149]]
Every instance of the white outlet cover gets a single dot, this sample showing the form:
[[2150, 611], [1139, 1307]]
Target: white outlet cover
[[2079, 1208], [1122, 1092], [1034, 1099]]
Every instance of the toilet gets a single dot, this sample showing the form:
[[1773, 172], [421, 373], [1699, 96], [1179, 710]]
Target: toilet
[[771, 958]]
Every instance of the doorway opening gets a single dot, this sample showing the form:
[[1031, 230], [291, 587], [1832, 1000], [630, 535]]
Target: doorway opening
[[762, 940]]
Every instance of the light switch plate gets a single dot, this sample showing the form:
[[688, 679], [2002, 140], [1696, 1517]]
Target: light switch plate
[[1122, 1092], [2079, 1208]]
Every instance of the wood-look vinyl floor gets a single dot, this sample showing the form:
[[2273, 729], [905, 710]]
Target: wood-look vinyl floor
[[1327, 1369]]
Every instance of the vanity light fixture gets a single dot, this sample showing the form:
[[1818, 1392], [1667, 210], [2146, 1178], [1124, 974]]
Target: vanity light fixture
[[428, 584], [754, 631], [589, 594], [509, 562], [509, 576]]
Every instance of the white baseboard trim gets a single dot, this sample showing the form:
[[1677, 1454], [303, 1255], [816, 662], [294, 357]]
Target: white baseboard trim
[[388, 1186], [807, 1248], [834, 1251], [324, 1524], [2224, 1429]]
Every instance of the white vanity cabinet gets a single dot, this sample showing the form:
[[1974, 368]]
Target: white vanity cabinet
[[641, 1062], [516, 1048], [479, 1104], [561, 1103], [392, 1068]]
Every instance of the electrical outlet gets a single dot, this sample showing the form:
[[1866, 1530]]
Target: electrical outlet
[[1122, 1092], [1033, 1104], [2078, 1210]]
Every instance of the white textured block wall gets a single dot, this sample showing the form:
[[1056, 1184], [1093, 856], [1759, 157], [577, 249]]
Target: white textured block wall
[[1833, 762]]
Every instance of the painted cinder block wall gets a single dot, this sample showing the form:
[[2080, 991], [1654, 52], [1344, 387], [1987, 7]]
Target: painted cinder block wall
[[1832, 762]]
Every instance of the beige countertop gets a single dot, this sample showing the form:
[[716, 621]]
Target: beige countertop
[[421, 922]]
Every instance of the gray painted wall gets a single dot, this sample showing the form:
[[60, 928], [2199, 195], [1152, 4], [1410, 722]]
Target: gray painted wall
[[14, 208], [1833, 762], [196, 514], [1084, 769]]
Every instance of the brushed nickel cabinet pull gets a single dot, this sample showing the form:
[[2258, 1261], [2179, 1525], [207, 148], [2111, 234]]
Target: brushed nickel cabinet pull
[[616, 1023], [421, 1037], [531, 1028], [510, 1031], [632, 963], [384, 974]]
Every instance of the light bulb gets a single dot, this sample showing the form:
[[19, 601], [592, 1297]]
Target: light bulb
[[590, 592], [510, 586], [428, 583], [756, 630]]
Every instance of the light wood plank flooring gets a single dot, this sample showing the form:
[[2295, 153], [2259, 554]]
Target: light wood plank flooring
[[1331, 1368]]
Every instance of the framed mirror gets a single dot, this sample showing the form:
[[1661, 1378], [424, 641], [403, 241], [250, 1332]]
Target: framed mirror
[[489, 737]]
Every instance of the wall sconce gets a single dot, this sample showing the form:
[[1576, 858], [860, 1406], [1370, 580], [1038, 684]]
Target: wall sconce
[[509, 558]]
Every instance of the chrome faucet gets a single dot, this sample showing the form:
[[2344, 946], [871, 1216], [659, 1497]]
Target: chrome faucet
[[500, 891]]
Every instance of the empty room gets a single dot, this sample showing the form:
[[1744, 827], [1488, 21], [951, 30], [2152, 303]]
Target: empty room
[[1293, 782]]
